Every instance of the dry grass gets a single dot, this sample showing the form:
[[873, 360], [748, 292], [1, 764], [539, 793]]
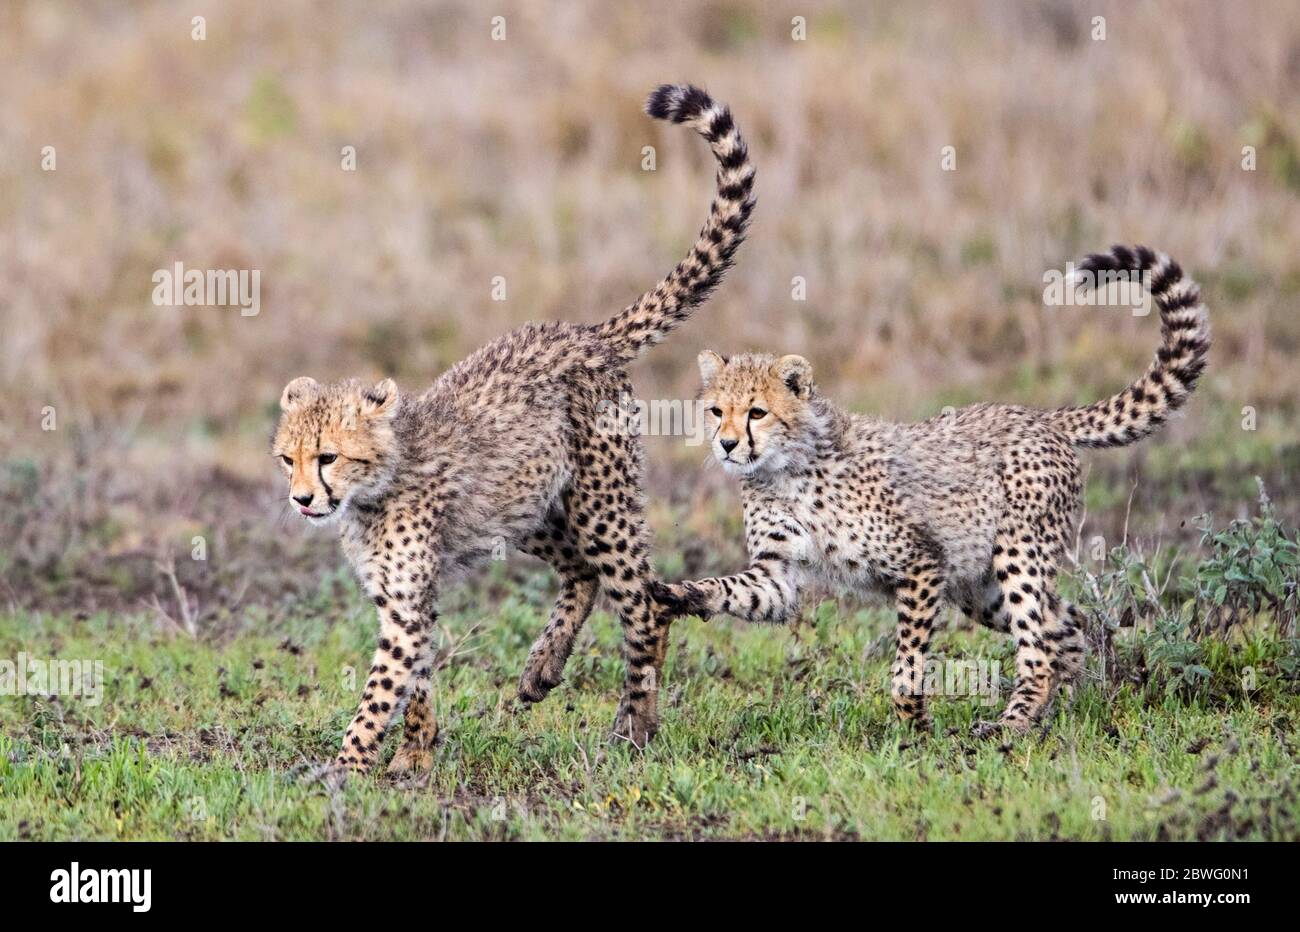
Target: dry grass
[[522, 159]]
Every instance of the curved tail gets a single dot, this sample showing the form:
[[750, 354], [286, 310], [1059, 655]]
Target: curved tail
[[658, 311], [1139, 409]]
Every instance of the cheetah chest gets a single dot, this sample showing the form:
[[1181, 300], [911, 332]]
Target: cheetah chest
[[839, 539]]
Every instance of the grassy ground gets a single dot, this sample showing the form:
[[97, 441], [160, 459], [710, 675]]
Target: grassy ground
[[767, 733], [133, 434]]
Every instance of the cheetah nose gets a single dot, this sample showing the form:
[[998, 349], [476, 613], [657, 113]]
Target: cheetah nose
[[304, 499], [728, 445]]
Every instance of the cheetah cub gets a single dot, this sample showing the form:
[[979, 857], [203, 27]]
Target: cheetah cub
[[506, 448], [975, 507]]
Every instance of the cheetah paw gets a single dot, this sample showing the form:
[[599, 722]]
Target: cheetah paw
[[332, 774], [411, 759], [679, 599], [921, 724], [634, 729], [535, 685]]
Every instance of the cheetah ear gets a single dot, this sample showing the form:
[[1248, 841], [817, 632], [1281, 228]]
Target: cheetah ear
[[710, 365], [297, 392], [796, 373], [381, 400]]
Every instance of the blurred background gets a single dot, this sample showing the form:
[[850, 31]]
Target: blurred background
[[521, 158]]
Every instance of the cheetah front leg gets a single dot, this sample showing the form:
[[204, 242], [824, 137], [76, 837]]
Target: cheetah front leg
[[550, 652], [766, 592], [917, 599], [419, 724], [406, 622], [558, 546]]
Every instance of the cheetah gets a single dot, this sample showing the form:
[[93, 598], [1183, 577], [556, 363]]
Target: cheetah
[[506, 448], [974, 507]]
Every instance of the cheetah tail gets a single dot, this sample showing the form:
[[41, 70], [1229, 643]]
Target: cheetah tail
[[671, 301], [1139, 409]]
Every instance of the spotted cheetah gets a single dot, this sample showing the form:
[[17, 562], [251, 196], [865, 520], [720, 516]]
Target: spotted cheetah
[[507, 448], [975, 507]]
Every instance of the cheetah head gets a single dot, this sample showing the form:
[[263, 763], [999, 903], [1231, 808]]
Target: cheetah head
[[757, 409], [335, 443]]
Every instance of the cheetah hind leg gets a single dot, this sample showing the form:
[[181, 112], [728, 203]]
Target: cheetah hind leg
[[1031, 608], [606, 516], [1069, 659]]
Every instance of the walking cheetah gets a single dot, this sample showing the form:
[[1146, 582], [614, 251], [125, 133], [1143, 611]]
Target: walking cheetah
[[975, 507], [506, 448]]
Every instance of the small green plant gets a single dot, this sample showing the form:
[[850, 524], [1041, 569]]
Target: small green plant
[[1247, 582], [1175, 661], [1254, 567]]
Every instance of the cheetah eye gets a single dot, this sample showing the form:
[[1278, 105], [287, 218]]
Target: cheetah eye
[[715, 411], [326, 458], [756, 414], [288, 460]]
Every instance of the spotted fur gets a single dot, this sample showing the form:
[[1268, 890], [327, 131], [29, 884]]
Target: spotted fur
[[975, 508], [508, 448]]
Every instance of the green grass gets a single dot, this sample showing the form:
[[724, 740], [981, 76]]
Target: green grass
[[766, 733]]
